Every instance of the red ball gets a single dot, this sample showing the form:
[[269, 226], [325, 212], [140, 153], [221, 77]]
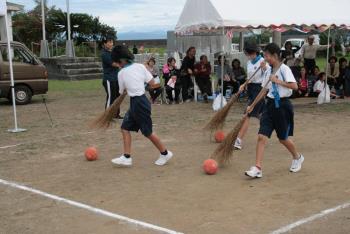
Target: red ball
[[91, 154], [210, 166], [219, 136]]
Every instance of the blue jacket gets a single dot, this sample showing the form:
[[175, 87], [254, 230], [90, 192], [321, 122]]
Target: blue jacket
[[110, 73]]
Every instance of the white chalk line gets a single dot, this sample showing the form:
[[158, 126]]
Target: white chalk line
[[89, 208], [311, 218]]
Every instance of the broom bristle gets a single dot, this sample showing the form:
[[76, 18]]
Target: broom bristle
[[218, 120], [224, 151], [105, 119]]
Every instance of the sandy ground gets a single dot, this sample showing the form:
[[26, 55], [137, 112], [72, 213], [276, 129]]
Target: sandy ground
[[178, 196]]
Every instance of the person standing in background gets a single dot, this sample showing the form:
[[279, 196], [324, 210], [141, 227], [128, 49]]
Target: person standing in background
[[135, 50], [187, 70], [110, 74], [309, 52]]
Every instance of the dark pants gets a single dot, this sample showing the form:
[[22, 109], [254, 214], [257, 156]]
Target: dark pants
[[204, 85], [154, 93], [309, 65], [186, 83], [169, 92], [112, 91], [253, 92]]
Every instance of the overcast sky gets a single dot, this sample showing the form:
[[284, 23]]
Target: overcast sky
[[125, 15]]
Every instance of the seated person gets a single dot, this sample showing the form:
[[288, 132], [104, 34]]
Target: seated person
[[333, 71], [320, 85], [202, 71], [171, 76], [229, 80], [155, 92], [238, 72], [303, 83]]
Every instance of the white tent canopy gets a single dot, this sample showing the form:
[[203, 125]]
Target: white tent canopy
[[199, 14]]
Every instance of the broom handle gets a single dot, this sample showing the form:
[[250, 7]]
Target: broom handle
[[263, 91], [246, 83]]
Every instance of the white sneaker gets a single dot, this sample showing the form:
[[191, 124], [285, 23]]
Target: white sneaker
[[238, 144], [122, 161], [254, 172], [296, 164], [163, 159]]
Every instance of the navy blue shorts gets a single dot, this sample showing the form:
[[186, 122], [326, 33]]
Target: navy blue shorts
[[138, 116], [279, 119], [253, 91]]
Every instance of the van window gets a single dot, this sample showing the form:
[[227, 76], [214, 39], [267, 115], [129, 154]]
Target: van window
[[19, 55]]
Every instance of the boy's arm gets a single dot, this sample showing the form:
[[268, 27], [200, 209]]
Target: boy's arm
[[289, 85]]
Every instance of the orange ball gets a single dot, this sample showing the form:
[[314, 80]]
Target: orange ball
[[210, 166], [91, 154], [219, 136]]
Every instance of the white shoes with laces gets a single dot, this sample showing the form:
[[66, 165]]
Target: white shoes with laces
[[123, 161]]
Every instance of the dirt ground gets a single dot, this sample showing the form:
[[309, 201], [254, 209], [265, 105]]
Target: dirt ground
[[178, 196]]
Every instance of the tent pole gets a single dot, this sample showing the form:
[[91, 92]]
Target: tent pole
[[222, 67], [9, 52], [328, 43]]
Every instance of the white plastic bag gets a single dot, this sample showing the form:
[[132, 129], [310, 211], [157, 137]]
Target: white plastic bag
[[219, 102], [324, 96]]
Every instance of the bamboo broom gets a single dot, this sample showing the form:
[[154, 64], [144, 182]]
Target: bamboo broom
[[105, 119], [218, 120], [224, 151]]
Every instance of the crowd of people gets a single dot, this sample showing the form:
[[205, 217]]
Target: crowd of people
[[178, 85]]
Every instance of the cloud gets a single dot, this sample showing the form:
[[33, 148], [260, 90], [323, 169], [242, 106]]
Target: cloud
[[134, 15]]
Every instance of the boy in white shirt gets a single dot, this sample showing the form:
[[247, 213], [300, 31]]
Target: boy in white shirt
[[132, 78], [278, 114]]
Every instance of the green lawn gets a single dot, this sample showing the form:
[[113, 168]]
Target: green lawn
[[71, 86]]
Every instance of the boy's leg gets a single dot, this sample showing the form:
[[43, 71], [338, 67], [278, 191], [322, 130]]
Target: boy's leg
[[127, 141], [157, 142], [260, 149], [289, 144], [238, 143]]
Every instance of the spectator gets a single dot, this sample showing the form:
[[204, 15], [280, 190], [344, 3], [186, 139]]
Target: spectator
[[309, 52], [340, 80], [238, 72], [110, 74], [187, 69], [333, 71], [229, 81], [321, 85], [135, 50], [303, 83], [202, 71], [157, 90], [171, 72], [288, 54], [312, 80], [347, 83]]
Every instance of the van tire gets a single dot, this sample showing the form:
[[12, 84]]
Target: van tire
[[23, 94]]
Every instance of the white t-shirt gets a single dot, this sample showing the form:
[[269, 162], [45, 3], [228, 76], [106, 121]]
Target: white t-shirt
[[133, 78], [284, 74], [319, 86], [251, 69]]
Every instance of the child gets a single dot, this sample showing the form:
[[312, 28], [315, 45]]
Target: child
[[320, 85], [132, 78], [278, 111], [170, 72], [255, 62], [303, 83]]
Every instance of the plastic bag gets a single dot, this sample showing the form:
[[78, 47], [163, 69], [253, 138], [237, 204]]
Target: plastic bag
[[219, 102], [324, 96]]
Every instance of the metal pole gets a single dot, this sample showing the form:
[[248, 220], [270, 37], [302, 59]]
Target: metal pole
[[222, 67], [328, 43], [9, 52], [69, 44], [44, 47]]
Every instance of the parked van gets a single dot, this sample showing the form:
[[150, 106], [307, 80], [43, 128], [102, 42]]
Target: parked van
[[30, 75]]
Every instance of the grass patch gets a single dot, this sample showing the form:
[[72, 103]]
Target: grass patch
[[72, 86]]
